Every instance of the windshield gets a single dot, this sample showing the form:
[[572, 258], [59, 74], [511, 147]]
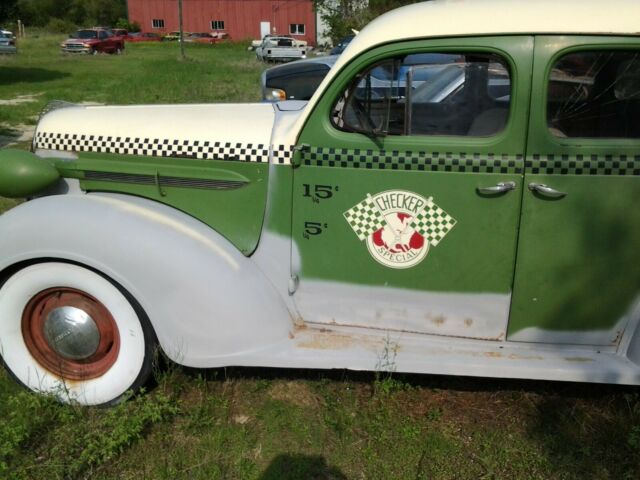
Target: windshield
[[85, 34]]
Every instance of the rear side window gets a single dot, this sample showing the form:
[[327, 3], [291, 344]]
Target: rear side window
[[428, 94], [595, 95]]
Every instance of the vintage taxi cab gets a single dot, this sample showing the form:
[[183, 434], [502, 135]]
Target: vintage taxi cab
[[460, 196]]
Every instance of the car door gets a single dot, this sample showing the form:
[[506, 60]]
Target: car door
[[577, 278], [406, 199]]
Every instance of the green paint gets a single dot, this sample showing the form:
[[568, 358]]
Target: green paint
[[236, 213], [23, 174], [478, 255], [278, 216], [577, 256]]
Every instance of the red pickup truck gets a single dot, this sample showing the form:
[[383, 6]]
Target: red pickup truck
[[93, 41]]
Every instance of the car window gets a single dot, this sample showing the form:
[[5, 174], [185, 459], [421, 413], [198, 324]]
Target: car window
[[86, 34], [428, 94], [595, 95]]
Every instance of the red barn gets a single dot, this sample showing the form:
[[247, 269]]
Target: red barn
[[240, 19]]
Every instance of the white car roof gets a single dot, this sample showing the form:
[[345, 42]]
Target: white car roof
[[449, 18]]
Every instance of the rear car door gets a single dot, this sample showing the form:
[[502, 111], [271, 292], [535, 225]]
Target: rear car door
[[577, 278], [407, 195]]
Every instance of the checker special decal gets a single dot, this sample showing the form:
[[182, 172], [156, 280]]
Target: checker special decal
[[399, 226], [159, 147]]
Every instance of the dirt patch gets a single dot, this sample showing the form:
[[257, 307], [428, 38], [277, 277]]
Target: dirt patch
[[296, 393], [14, 134], [20, 99]]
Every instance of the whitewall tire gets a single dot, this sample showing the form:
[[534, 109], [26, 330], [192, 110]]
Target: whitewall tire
[[68, 331]]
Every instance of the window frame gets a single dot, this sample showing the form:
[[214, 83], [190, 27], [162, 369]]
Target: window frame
[[517, 50], [552, 61], [508, 63], [297, 28], [158, 21], [213, 24]]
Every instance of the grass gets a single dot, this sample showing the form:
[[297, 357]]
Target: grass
[[279, 424], [146, 73]]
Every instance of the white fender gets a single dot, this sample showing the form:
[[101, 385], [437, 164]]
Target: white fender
[[204, 299]]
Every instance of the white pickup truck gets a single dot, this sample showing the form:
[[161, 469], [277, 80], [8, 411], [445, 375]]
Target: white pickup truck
[[455, 198], [273, 48]]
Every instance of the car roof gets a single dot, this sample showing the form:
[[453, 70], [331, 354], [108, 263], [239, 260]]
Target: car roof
[[446, 18]]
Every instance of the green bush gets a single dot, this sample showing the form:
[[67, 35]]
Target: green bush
[[57, 25], [125, 24]]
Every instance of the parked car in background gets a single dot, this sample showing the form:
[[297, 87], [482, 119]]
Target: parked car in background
[[206, 37], [299, 80], [296, 43], [120, 33], [92, 41], [174, 36], [275, 48], [296, 80], [144, 37], [7, 42], [342, 44]]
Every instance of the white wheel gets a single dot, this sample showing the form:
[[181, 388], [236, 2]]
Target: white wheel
[[69, 332]]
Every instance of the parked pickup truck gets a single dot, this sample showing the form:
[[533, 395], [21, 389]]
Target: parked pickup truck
[[275, 48], [93, 41], [477, 221]]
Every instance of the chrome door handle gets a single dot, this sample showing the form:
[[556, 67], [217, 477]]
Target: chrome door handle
[[546, 191], [499, 188]]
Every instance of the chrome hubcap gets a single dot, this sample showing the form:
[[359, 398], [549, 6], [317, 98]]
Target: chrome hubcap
[[71, 333]]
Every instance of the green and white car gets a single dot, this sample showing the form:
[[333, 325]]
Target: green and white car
[[484, 226]]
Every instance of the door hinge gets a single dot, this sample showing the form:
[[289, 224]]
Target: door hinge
[[296, 160]]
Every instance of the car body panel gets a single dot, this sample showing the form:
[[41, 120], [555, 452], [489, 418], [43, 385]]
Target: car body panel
[[476, 277], [581, 247], [220, 180]]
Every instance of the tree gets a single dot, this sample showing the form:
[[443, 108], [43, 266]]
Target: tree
[[341, 16], [7, 10]]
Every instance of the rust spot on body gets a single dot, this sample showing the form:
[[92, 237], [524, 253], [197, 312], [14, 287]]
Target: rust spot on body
[[327, 341]]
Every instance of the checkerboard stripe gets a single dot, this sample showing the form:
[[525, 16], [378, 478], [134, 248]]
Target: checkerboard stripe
[[364, 218], [433, 223], [163, 147], [408, 160], [550, 164]]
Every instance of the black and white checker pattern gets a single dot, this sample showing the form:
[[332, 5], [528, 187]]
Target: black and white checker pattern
[[364, 218], [407, 160], [433, 223], [158, 147], [282, 154], [620, 165]]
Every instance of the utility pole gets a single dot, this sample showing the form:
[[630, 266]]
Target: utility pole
[[181, 40]]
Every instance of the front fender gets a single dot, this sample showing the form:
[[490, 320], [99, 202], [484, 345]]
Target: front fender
[[204, 299]]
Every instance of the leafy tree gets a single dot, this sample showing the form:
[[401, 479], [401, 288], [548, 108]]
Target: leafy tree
[[78, 12], [7, 10], [341, 16]]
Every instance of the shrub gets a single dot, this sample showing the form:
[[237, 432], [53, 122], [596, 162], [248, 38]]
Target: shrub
[[57, 25]]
